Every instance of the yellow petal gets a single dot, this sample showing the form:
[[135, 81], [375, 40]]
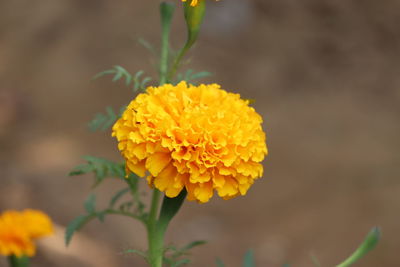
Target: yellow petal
[[230, 188], [156, 162], [138, 168], [204, 192]]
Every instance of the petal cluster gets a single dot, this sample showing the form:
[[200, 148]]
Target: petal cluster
[[18, 230], [200, 138]]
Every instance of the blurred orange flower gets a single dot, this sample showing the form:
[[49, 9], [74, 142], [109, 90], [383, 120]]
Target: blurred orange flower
[[18, 230]]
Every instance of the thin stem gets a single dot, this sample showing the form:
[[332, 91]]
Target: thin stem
[[155, 237], [157, 228], [177, 61], [154, 206]]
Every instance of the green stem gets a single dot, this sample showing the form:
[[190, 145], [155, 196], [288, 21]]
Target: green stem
[[369, 244], [156, 228], [155, 239], [178, 59], [167, 11], [18, 261]]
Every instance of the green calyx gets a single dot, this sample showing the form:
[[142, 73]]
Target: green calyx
[[15, 261], [194, 17]]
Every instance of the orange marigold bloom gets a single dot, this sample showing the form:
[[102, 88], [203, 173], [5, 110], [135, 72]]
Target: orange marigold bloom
[[18, 230], [201, 138]]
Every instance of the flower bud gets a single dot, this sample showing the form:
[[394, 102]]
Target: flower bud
[[194, 17]]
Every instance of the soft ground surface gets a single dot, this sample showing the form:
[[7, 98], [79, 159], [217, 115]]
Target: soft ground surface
[[324, 74]]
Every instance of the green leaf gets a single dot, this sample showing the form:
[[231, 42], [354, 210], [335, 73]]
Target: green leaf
[[126, 206], [194, 244], [144, 82], [81, 169], [135, 251], [90, 204], [74, 226], [117, 170], [147, 45], [180, 263], [315, 260], [169, 209], [140, 84], [369, 244], [248, 260], [120, 73], [103, 121], [219, 263], [190, 76], [200, 75], [103, 73], [117, 196], [102, 168], [178, 252], [101, 215]]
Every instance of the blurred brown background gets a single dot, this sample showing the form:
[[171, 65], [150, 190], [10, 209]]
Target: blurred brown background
[[325, 76]]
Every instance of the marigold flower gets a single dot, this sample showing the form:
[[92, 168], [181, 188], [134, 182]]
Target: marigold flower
[[194, 2], [18, 230], [201, 138]]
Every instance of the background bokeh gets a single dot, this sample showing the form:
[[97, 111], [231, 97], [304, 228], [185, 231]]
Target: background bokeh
[[325, 77]]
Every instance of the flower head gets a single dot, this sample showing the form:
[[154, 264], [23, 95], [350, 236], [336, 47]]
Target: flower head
[[194, 2], [201, 138], [18, 230]]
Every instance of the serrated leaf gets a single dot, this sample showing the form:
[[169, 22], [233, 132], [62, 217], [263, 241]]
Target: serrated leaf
[[248, 260], [147, 45], [136, 80], [90, 204], [81, 169], [122, 110], [117, 196], [102, 168], [103, 121], [125, 206], [219, 263], [194, 244], [188, 74], [180, 263], [135, 251], [144, 82], [119, 73], [315, 260], [74, 226], [200, 75], [101, 74], [101, 215], [369, 244], [117, 170]]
